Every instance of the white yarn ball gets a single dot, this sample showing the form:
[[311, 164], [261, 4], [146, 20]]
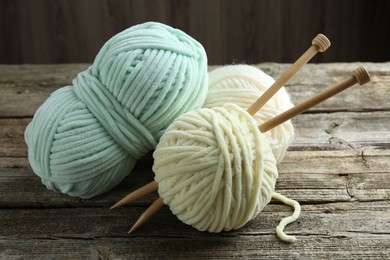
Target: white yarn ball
[[243, 85], [214, 168]]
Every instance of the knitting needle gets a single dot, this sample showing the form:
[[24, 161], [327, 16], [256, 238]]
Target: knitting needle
[[149, 212], [320, 43], [137, 194], [359, 75], [145, 190]]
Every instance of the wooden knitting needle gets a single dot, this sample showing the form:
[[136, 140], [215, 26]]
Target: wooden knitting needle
[[137, 194], [359, 75], [145, 190], [319, 44], [149, 212]]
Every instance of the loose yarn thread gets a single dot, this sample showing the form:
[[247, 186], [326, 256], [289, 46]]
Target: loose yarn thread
[[88, 136], [216, 171], [243, 85]]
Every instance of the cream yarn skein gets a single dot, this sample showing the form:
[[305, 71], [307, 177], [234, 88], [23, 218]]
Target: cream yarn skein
[[243, 85], [216, 170]]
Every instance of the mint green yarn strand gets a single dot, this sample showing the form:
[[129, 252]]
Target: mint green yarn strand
[[44, 144], [144, 96], [133, 100], [94, 105], [118, 72], [142, 78], [81, 132], [171, 101], [132, 145], [158, 108], [65, 151], [109, 71], [71, 146], [83, 164]]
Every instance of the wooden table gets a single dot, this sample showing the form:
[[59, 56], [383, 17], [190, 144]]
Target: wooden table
[[338, 168]]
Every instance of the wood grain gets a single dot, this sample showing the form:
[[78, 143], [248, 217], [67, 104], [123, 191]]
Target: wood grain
[[341, 246], [26, 87], [324, 131], [338, 168], [341, 176]]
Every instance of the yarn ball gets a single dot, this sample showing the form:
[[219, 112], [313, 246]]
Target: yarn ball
[[215, 169], [87, 137], [243, 85]]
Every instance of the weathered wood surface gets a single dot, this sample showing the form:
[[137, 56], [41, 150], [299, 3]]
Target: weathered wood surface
[[338, 168], [25, 87]]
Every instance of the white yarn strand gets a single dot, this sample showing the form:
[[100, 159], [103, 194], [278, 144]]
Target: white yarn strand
[[284, 222]]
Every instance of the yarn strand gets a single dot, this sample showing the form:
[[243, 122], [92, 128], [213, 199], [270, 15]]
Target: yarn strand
[[284, 222]]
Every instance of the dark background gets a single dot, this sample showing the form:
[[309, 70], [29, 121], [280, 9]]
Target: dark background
[[250, 31]]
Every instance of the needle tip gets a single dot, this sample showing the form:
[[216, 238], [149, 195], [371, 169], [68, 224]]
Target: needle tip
[[131, 230], [116, 205]]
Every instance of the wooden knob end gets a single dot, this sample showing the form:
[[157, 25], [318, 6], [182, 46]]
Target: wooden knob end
[[321, 42], [361, 74]]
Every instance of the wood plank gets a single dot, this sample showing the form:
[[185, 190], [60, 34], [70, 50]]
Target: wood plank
[[342, 130], [315, 77], [12, 142], [70, 233], [25, 87], [75, 223], [322, 131], [341, 246], [343, 227], [319, 219], [307, 176]]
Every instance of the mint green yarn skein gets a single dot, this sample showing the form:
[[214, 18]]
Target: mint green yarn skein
[[87, 137]]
